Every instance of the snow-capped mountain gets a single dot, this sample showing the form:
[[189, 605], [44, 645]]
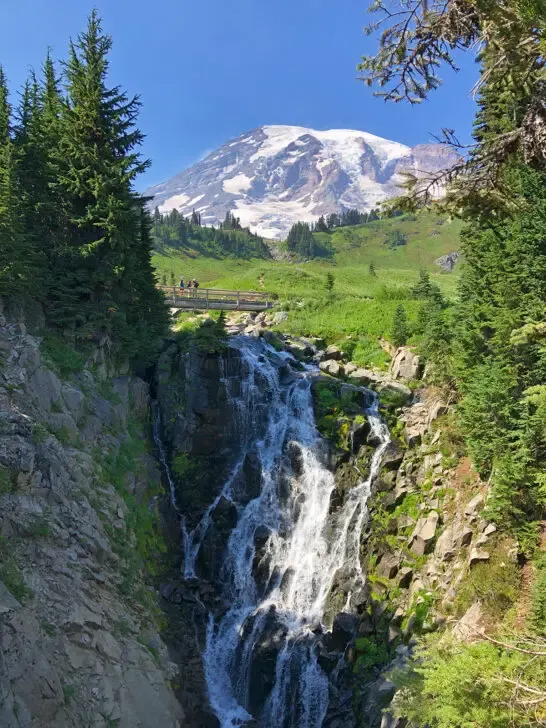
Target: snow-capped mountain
[[274, 176]]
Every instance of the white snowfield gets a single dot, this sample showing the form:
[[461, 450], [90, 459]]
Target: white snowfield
[[274, 176]]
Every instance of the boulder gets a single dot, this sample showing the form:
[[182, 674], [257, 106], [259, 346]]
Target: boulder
[[334, 352], [74, 401], [331, 367], [470, 625], [463, 535], [404, 577], [365, 377], [350, 368], [474, 505], [405, 364], [343, 630], [423, 535], [448, 262], [477, 556], [445, 548], [388, 566], [395, 388], [393, 455], [279, 318]]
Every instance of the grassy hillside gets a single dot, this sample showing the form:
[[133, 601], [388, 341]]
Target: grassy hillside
[[361, 305]]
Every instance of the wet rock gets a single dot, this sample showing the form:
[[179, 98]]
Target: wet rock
[[393, 455], [360, 434], [269, 643], [405, 364], [295, 455], [252, 471], [343, 630]]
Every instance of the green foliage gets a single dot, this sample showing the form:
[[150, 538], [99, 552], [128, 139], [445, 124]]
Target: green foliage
[[69, 691], [139, 543], [39, 528], [74, 232], [370, 653], [399, 330], [10, 574], [6, 481], [500, 358], [39, 434], [538, 615], [210, 337], [494, 584], [181, 465], [461, 685], [330, 280], [394, 238], [188, 235], [62, 355]]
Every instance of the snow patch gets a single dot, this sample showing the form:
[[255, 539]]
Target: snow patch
[[173, 203], [238, 184]]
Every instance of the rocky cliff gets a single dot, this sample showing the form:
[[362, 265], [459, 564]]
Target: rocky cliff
[[101, 566], [79, 530]]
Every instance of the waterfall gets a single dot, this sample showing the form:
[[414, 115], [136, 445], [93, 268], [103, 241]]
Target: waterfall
[[283, 555]]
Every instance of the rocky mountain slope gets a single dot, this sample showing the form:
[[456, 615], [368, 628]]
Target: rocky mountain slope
[[79, 642], [274, 176]]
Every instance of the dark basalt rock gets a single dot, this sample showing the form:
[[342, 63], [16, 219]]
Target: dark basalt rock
[[343, 631], [393, 455]]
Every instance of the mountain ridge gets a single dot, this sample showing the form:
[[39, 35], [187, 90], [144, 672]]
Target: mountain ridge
[[274, 176]]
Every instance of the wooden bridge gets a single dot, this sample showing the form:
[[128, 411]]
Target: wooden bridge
[[215, 299]]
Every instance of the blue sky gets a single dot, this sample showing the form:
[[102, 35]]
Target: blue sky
[[208, 70]]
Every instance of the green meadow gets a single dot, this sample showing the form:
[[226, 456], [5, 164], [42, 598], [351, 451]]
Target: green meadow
[[362, 303]]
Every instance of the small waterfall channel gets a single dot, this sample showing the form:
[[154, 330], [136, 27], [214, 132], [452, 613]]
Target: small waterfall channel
[[284, 553]]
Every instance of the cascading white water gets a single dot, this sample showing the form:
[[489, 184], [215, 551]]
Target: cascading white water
[[306, 545]]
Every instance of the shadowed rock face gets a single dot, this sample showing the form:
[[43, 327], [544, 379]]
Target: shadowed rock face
[[274, 176]]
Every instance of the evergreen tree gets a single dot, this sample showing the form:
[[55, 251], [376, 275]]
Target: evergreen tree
[[321, 226], [372, 270], [330, 280], [399, 330], [14, 259], [103, 279]]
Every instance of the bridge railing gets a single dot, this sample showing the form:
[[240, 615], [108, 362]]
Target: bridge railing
[[206, 297]]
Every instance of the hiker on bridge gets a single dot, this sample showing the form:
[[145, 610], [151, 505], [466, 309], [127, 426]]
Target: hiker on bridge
[[181, 284]]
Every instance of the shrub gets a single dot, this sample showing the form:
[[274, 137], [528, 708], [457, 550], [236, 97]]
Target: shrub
[[6, 482], [63, 357], [495, 584]]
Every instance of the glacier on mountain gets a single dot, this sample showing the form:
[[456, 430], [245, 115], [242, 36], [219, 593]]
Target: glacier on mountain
[[274, 176]]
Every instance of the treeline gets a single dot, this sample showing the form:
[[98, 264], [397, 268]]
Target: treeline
[[73, 232], [302, 242], [347, 218], [229, 239]]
